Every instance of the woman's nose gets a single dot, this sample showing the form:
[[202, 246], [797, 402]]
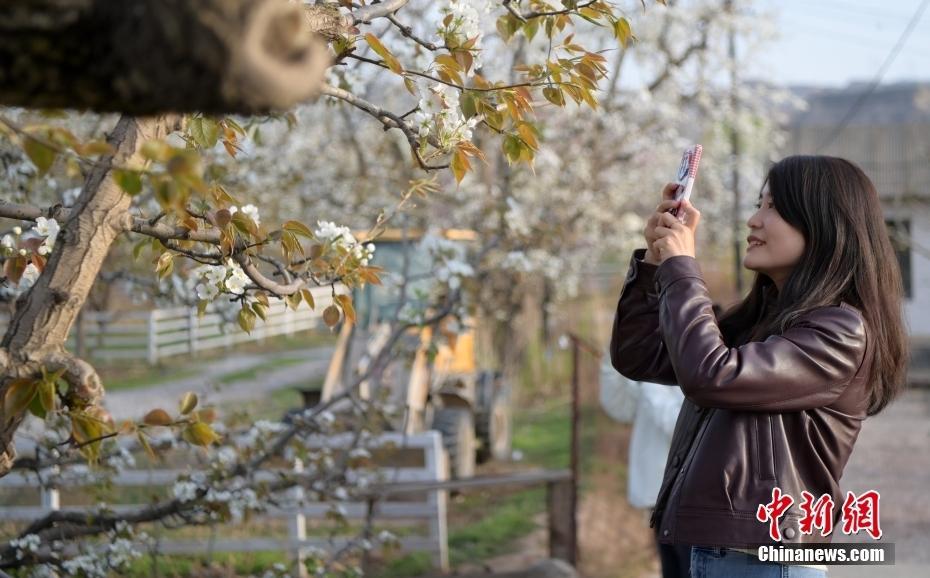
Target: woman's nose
[[754, 222]]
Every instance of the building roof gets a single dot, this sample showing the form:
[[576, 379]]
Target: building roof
[[888, 136]]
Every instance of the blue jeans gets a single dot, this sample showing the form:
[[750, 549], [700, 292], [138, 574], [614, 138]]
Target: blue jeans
[[725, 563]]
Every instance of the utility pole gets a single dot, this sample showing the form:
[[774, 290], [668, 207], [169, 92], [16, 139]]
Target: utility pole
[[735, 153]]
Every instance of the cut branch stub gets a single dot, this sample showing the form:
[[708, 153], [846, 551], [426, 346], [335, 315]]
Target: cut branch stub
[[146, 57]]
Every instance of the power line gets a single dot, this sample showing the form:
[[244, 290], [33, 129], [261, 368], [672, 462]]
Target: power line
[[878, 76]]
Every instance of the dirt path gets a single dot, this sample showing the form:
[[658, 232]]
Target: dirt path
[[133, 403]]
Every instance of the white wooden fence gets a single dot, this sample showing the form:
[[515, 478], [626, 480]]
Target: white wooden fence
[[159, 333], [430, 507]]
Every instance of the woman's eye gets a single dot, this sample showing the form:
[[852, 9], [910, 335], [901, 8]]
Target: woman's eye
[[758, 205]]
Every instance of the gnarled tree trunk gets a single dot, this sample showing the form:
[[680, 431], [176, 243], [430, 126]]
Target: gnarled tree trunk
[[44, 314]]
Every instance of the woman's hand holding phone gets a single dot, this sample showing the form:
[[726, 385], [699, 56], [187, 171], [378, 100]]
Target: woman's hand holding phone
[[668, 202], [676, 237]]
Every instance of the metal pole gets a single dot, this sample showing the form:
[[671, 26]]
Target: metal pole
[[573, 534]]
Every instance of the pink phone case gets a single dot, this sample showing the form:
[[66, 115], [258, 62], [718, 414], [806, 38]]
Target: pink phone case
[[687, 172]]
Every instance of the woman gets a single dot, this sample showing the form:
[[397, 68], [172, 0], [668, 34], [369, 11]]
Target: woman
[[777, 390]]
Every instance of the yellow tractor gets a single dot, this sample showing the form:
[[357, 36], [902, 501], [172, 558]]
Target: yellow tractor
[[440, 381]]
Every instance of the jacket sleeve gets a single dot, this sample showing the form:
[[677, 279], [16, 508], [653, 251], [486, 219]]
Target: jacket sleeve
[[636, 347], [807, 366]]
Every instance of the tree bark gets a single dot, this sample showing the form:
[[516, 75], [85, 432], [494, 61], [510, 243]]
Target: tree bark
[[39, 327], [145, 57]]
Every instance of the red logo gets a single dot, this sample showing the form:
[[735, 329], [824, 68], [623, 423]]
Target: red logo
[[859, 513], [817, 514], [774, 510]]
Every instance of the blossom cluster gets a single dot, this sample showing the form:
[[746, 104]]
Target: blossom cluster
[[251, 211], [339, 236], [216, 279], [465, 24], [449, 259], [47, 230], [115, 554], [439, 115]]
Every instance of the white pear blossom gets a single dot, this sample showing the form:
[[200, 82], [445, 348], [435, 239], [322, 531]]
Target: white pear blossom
[[27, 544], [438, 114], [30, 274], [328, 231], [252, 212], [207, 291], [237, 280], [48, 228], [185, 490], [7, 241]]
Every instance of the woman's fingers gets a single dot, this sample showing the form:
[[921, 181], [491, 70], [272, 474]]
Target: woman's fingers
[[666, 205], [668, 219], [669, 191], [692, 216]]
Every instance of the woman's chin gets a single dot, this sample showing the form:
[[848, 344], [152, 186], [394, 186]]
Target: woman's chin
[[750, 263]]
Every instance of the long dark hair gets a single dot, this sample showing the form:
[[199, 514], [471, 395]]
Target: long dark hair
[[848, 256]]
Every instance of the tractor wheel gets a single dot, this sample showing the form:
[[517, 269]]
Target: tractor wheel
[[458, 436], [495, 429]]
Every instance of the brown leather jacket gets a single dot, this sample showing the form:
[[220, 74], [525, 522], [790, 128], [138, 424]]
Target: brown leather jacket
[[781, 412]]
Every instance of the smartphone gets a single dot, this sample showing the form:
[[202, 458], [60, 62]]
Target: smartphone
[[687, 172]]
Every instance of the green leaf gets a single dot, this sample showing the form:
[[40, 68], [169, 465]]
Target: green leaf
[[165, 265], [47, 394], [530, 28], [245, 224], [18, 395], [460, 164], [211, 131], [188, 403], [246, 319], [200, 434], [384, 53], [40, 155], [554, 95], [129, 181], [259, 310], [622, 31], [36, 409], [138, 247], [293, 300], [308, 297], [195, 127], [145, 445], [299, 228]]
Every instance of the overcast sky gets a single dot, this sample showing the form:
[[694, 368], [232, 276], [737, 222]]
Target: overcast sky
[[834, 42]]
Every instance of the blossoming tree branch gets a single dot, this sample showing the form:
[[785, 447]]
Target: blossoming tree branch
[[154, 178]]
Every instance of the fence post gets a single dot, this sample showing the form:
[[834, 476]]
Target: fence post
[[297, 525], [192, 331], [289, 321], [437, 463], [562, 543], [50, 498], [153, 337]]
